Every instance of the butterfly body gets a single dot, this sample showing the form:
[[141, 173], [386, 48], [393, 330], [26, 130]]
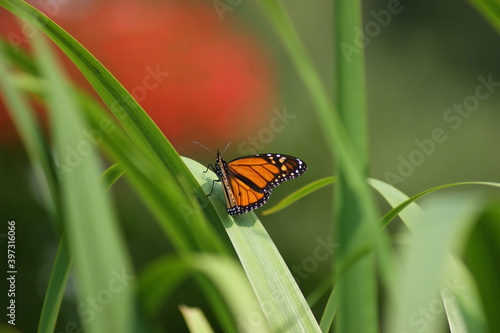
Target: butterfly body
[[247, 181]]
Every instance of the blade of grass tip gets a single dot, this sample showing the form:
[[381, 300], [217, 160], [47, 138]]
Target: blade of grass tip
[[329, 312], [279, 296], [299, 194], [443, 226], [17, 56], [195, 319], [55, 289], [112, 174], [93, 237], [461, 300], [389, 216]]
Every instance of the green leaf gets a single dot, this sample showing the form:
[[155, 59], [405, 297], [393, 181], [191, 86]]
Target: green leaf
[[389, 216], [482, 258], [55, 290], [112, 174], [330, 312], [279, 296], [102, 266], [299, 194], [490, 9], [195, 319]]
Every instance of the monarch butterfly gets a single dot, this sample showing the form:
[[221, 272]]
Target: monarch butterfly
[[247, 181]]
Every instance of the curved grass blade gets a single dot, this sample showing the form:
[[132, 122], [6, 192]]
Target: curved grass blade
[[330, 312], [463, 311], [299, 194], [195, 320], [112, 174], [279, 296], [389, 216], [90, 223], [425, 260]]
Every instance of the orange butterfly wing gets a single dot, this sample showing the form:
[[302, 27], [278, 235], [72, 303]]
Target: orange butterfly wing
[[248, 181]]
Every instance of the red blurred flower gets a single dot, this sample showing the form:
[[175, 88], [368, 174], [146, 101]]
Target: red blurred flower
[[199, 78]]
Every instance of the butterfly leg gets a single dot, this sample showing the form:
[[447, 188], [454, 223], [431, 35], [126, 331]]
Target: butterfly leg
[[210, 165], [213, 182]]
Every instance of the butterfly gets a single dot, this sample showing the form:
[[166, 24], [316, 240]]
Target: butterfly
[[247, 181]]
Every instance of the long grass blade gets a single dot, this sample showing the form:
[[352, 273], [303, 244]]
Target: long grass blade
[[55, 290], [102, 266], [299, 194]]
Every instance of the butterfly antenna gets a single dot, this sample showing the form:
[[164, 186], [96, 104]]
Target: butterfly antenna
[[226, 148], [196, 142]]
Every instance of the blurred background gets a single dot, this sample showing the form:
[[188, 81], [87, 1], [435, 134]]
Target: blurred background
[[215, 73]]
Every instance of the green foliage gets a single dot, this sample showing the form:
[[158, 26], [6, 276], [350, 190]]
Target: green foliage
[[233, 260]]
